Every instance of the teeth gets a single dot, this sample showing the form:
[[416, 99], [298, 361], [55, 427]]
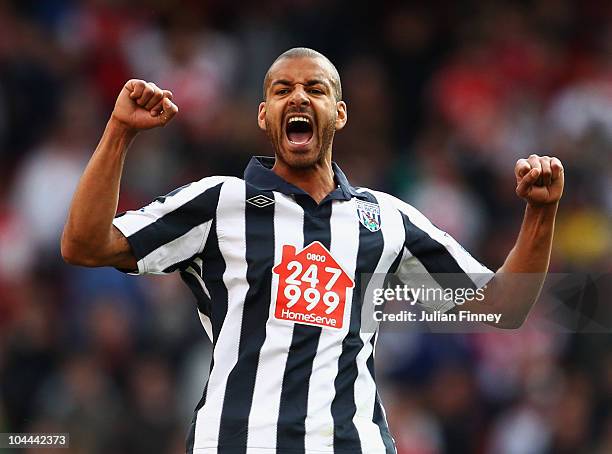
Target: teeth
[[292, 119]]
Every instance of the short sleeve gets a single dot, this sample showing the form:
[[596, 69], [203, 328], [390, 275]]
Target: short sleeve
[[434, 259], [173, 228]]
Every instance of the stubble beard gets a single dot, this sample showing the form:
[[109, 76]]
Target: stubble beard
[[307, 161]]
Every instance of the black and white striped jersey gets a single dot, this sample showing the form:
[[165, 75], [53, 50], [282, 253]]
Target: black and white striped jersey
[[277, 278]]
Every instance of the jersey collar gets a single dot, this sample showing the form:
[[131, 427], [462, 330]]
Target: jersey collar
[[259, 173]]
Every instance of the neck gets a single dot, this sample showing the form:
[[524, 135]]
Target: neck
[[317, 181]]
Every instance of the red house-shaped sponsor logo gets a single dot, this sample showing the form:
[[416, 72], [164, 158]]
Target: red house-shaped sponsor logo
[[312, 287]]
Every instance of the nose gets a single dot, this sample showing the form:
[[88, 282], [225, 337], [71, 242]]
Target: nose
[[299, 97]]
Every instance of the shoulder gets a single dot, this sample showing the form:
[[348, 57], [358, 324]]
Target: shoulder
[[213, 181], [208, 185], [409, 213], [195, 194], [389, 200]]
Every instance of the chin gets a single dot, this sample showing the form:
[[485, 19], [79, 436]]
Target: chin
[[300, 160]]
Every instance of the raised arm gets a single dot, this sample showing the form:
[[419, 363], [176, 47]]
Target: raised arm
[[89, 237], [517, 284]]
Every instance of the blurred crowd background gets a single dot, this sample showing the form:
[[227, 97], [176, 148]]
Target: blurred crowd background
[[443, 98]]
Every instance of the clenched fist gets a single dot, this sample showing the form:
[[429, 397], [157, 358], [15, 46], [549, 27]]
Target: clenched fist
[[539, 179], [143, 105]]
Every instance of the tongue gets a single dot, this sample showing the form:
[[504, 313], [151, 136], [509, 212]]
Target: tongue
[[299, 137]]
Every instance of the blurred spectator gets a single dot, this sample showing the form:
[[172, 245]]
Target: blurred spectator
[[46, 181], [151, 422], [197, 62], [83, 402]]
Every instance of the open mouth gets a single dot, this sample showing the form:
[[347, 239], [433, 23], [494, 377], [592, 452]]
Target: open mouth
[[299, 130]]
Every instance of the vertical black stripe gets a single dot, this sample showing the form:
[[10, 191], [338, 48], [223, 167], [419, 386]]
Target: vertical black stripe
[[346, 437], [291, 428], [213, 266], [396, 263], [259, 254], [435, 257], [202, 300], [192, 428], [378, 415]]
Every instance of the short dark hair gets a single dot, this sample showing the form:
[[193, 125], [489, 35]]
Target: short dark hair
[[301, 52]]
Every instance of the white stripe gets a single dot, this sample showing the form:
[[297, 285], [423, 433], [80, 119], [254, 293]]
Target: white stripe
[[177, 250], [392, 229], [134, 220], [198, 262], [365, 396], [232, 245], [206, 323], [193, 272], [344, 227], [263, 418]]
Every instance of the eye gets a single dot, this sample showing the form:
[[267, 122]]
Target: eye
[[316, 91], [282, 91]]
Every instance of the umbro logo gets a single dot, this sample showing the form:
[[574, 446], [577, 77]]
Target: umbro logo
[[260, 201]]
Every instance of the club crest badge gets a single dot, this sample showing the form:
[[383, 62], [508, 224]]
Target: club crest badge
[[369, 215]]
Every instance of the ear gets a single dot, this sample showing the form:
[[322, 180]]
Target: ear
[[261, 116], [341, 115]]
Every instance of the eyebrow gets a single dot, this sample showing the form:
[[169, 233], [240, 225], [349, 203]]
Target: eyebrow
[[308, 83]]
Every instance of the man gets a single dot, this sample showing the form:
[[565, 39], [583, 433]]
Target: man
[[276, 261]]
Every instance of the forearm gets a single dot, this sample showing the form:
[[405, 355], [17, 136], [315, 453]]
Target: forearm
[[88, 230], [531, 253], [517, 284]]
